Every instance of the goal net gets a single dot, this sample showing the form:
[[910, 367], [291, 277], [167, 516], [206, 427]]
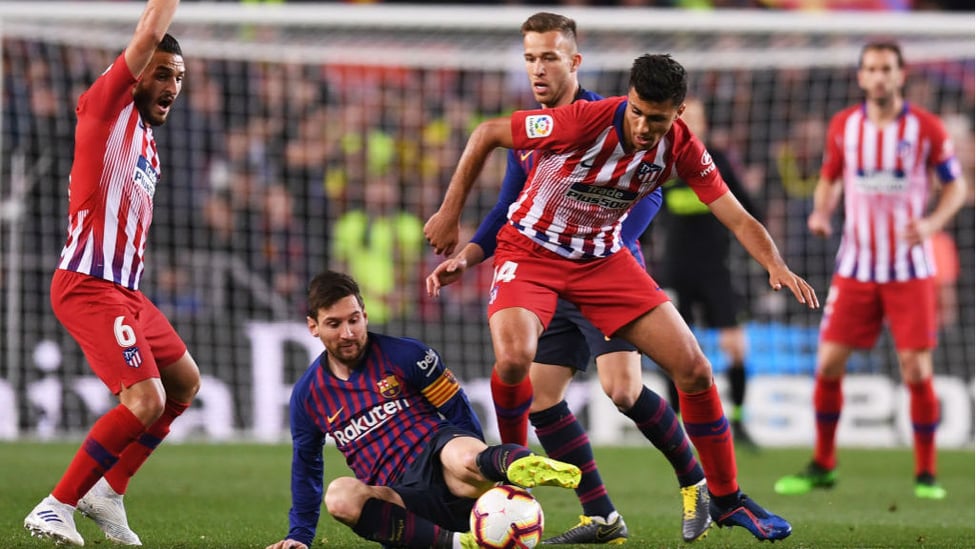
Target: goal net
[[322, 136]]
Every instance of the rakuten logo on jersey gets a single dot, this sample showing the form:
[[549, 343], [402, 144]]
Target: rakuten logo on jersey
[[363, 425]]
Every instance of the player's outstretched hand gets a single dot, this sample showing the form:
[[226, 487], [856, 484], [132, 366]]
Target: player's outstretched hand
[[446, 273], [288, 544], [442, 232], [802, 290]]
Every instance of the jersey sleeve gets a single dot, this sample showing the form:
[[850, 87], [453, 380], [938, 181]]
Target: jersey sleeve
[[307, 469], [833, 157], [565, 128], [694, 165], [439, 386], [109, 93], [942, 156], [512, 185]]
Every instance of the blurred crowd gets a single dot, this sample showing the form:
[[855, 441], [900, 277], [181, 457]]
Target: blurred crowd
[[274, 171]]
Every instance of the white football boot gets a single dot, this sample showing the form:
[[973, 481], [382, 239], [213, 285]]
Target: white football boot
[[55, 521], [104, 506]]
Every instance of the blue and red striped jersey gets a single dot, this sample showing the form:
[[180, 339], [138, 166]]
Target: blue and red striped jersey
[[380, 419]]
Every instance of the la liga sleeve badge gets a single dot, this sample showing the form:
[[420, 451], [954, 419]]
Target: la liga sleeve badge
[[538, 125]]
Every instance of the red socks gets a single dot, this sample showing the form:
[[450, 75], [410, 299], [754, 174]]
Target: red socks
[[828, 399], [924, 412], [138, 452], [108, 437], [709, 431], [512, 408]]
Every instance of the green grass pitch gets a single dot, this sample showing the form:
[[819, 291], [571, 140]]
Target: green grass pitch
[[236, 496]]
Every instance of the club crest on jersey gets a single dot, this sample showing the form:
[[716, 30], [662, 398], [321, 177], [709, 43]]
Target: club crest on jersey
[[132, 356], [648, 173], [146, 176], [538, 125], [389, 386]]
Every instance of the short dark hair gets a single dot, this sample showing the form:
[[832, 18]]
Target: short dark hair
[[327, 288], [169, 45], [659, 78], [547, 22], [882, 45]]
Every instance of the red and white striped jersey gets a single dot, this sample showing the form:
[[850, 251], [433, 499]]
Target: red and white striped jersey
[[886, 177], [113, 179], [584, 182]]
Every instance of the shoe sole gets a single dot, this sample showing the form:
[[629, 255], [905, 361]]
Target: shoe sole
[[38, 531], [532, 471]]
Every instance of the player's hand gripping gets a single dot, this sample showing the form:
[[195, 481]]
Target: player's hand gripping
[[448, 272], [802, 290], [288, 544], [443, 232]]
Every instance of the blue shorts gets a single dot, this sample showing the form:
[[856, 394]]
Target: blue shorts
[[424, 491], [570, 340]]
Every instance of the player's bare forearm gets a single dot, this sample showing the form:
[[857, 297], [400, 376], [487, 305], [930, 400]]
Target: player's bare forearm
[[952, 197], [451, 270], [442, 228], [757, 241], [152, 26], [826, 196]]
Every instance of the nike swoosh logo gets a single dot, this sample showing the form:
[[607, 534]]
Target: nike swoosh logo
[[334, 416], [605, 532], [586, 164], [525, 156]]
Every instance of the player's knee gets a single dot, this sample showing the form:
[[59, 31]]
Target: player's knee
[[695, 376], [513, 365], [623, 393], [181, 379], [146, 400], [343, 499]]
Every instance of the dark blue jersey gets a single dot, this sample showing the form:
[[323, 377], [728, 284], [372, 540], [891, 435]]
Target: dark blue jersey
[[520, 165], [380, 419]]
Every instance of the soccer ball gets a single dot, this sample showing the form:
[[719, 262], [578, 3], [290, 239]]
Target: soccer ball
[[507, 517]]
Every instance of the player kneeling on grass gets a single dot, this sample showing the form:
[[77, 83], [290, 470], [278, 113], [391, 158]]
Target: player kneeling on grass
[[406, 428]]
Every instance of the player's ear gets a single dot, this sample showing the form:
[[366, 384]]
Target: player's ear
[[577, 60], [313, 326]]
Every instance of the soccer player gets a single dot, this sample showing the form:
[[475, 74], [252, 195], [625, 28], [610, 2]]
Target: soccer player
[[552, 61], [704, 278], [597, 159], [95, 293], [406, 429], [888, 154]]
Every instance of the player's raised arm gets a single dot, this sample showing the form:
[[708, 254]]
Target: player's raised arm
[[757, 241], [443, 227], [150, 29]]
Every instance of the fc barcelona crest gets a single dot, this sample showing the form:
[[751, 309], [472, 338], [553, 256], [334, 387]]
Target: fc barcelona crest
[[389, 386]]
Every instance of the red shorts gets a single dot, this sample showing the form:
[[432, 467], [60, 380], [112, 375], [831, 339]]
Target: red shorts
[[854, 313], [123, 335], [610, 292]]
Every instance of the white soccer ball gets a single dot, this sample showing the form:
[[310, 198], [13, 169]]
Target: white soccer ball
[[507, 517]]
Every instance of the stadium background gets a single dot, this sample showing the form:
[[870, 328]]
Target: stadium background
[[313, 136]]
